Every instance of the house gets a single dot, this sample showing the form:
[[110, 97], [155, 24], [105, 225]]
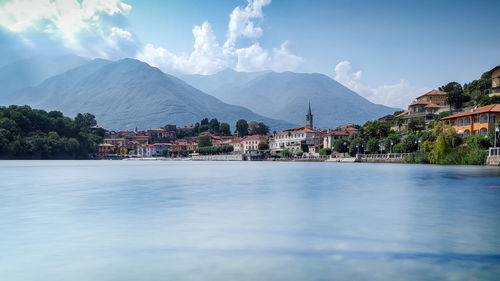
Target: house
[[426, 106], [473, 122], [104, 149], [250, 144], [237, 146], [145, 150], [116, 142], [159, 147], [495, 81], [332, 136], [386, 118], [293, 138], [433, 97], [160, 135]]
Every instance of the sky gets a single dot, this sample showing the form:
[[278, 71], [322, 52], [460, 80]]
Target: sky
[[387, 51]]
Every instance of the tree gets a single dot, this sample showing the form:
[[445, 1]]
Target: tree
[[409, 143], [454, 94], [263, 146], [299, 152], [341, 146], [416, 124], [325, 151], [214, 126], [204, 121], [225, 129], [372, 146], [242, 128], [257, 128], [204, 141], [285, 153]]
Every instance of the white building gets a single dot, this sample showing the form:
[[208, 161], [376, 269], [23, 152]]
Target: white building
[[292, 139]]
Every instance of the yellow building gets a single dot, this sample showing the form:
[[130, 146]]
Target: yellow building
[[478, 121], [433, 97], [495, 81]]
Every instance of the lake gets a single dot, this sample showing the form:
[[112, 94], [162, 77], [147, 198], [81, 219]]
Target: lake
[[183, 220]]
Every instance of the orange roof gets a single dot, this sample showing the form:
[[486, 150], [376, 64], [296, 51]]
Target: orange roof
[[484, 109], [403, 113], [433, 93], [302, 129], [432, 105], [338, 133], [255, 137]]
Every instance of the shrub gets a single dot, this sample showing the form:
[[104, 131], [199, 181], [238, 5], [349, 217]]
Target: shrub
[[325, 151]]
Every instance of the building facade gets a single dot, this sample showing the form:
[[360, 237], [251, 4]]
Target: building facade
[[474, 122], [495, 81]]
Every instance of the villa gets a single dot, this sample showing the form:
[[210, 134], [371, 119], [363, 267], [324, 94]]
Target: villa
[[495, 81], [474, 122], [293, 138]]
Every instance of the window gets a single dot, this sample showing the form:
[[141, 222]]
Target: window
[[483, 119], [466, 133], [492, 119], [467, 121], [483, 131], [460, 122]]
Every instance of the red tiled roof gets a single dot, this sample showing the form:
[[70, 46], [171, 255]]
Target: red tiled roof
[[433, 93], [484, 109], [254, 137], [302, 129], [432, 105], [403, 113]]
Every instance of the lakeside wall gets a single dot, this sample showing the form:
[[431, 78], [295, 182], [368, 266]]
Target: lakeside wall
[[229, 157]]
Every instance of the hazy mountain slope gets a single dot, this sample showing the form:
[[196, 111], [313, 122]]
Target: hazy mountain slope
[[224, 78], [32, 71], [285, 96], [130, 93]]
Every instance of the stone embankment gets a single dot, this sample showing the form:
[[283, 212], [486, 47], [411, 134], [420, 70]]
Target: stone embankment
[[382, 158], [229, 157]]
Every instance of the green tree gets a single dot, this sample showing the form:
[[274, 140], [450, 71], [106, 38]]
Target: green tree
[[204, 121], [372, 146], [263, 146], [304, 147], [204, 141], [325, 151], [285, 153], [242, 128], [214, 126], [416, 124], [341, 146], [225, 129], [454, 94]]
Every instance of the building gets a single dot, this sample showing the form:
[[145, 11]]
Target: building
[[433, 97], [160, 135], [293, 138], [427, 106], [495, 81], [250, 144], [332, 136], [237, 146], [474, 122], [309, 118]]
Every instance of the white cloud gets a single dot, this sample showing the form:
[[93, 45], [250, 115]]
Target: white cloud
[[73, 23], [208, 56], [399, 95], [240, 24]]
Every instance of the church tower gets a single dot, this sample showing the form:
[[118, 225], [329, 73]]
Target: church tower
[[309, 118]]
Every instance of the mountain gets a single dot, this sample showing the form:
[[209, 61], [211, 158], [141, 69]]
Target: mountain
[[129, 93], [30, 72], [285, 96]]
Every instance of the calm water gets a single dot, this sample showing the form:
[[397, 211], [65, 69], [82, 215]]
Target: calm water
[[162, 220]]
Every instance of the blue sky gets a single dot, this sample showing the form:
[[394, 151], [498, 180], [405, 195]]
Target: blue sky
[[387, 51]]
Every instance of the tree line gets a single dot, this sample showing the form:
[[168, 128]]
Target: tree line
[[27, 133]]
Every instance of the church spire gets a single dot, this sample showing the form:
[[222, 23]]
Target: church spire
[[309, 118]]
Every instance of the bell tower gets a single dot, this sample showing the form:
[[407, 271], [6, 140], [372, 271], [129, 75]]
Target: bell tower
[[309, 118]]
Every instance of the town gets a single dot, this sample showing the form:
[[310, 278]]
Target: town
[[447, 118]]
